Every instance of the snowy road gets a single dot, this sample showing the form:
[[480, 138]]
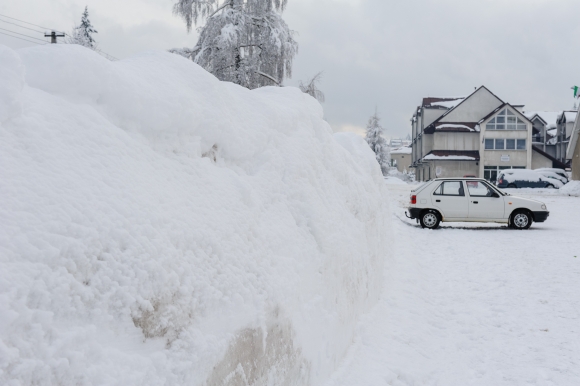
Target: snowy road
[[475, 304]]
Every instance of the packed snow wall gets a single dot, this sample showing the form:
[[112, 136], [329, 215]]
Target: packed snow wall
[[159, 227]]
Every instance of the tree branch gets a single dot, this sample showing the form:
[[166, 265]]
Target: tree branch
[[268, 76], [220, 8]]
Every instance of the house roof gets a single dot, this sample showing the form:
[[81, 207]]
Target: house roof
[[466, 127], [402, 150], [452, 155], [475, 125], [550, 118], [569, 115], [500, 108], [555, 163], [441, 102]]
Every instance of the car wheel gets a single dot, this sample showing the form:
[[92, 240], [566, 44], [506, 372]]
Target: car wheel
[[521, 219], [550, 186], [512, 186], [430, 219]]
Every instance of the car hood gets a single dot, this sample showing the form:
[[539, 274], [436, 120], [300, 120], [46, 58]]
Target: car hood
[[533, 205]]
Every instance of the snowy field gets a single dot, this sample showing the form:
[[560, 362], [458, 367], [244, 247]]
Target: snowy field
[[475, 304]]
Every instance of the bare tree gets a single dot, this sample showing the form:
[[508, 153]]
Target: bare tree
[[243, 41], [311, 88]]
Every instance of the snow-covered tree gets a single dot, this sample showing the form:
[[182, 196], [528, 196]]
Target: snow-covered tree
[[377, 142], [243, 41], [83, 33], [311, 88]]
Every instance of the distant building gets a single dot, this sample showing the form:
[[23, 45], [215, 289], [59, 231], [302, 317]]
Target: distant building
[[477, 135], [402, 157], [396, 143]]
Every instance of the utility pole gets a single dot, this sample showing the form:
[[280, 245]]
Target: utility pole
[[53, 35]]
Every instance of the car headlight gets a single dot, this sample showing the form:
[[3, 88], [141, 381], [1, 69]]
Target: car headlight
[[544, 207]]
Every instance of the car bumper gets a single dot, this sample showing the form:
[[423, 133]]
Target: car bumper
[[414, 212], [540, 216]]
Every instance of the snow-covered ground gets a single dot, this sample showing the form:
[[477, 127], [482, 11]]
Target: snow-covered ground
[[475, 304]]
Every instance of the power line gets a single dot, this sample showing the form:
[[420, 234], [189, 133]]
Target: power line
[[25, 22], [16, 37], [35, 30], [110, 57], [17, 33]]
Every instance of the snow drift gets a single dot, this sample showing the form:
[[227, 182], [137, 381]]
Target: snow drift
[[572, 188], [161, 227]]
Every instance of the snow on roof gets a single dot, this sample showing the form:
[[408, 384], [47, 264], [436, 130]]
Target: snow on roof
[[550, 117], [448, 104], [570, 115], [431, 157], [456, 126], [445, 102], [402, 150], [452, 155]]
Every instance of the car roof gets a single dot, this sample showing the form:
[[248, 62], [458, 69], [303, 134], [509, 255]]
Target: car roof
[[459, 178]]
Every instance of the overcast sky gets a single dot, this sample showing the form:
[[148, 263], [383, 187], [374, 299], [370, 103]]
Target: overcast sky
[[380, 53]]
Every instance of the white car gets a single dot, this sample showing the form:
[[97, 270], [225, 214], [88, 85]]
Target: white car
[[472, 200], [561, 172]]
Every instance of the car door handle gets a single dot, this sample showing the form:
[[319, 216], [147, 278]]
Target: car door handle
[[475, 202], [437, 200]]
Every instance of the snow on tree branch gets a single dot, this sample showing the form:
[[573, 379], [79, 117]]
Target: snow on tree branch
[[83, 33], [312, 88], [242, 41], [378, 144]]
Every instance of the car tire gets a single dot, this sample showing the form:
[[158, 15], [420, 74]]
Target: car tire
[[430, 219], [521, 219], [550, 186], [512, 186]]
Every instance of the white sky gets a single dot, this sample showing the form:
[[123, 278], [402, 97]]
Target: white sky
[[380, 53]]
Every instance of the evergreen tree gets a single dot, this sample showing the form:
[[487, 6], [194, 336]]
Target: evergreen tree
[[377, 142], [243, 41], [83, 33], [312, 88]]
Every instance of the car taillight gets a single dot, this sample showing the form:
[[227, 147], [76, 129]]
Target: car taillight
[[501, 181], [413, 199]]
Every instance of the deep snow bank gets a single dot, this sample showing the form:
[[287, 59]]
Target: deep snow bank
[[572, 188], [161, 227]]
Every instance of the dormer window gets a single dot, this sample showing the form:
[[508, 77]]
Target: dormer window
[[506, 120]]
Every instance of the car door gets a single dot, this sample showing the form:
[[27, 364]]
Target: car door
[[450, 199], [484, 202]]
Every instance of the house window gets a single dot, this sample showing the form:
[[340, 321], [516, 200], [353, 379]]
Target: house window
[[505, 144], [506, 120], [490, 172], [450, 188]]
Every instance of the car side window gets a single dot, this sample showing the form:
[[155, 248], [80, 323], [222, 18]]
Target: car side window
[[450, 188], [478, 189]]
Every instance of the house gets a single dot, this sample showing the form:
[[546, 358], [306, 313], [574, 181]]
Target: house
[[402, 157], [477, 135], [545, 126], [573, 153], [552, 131]]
